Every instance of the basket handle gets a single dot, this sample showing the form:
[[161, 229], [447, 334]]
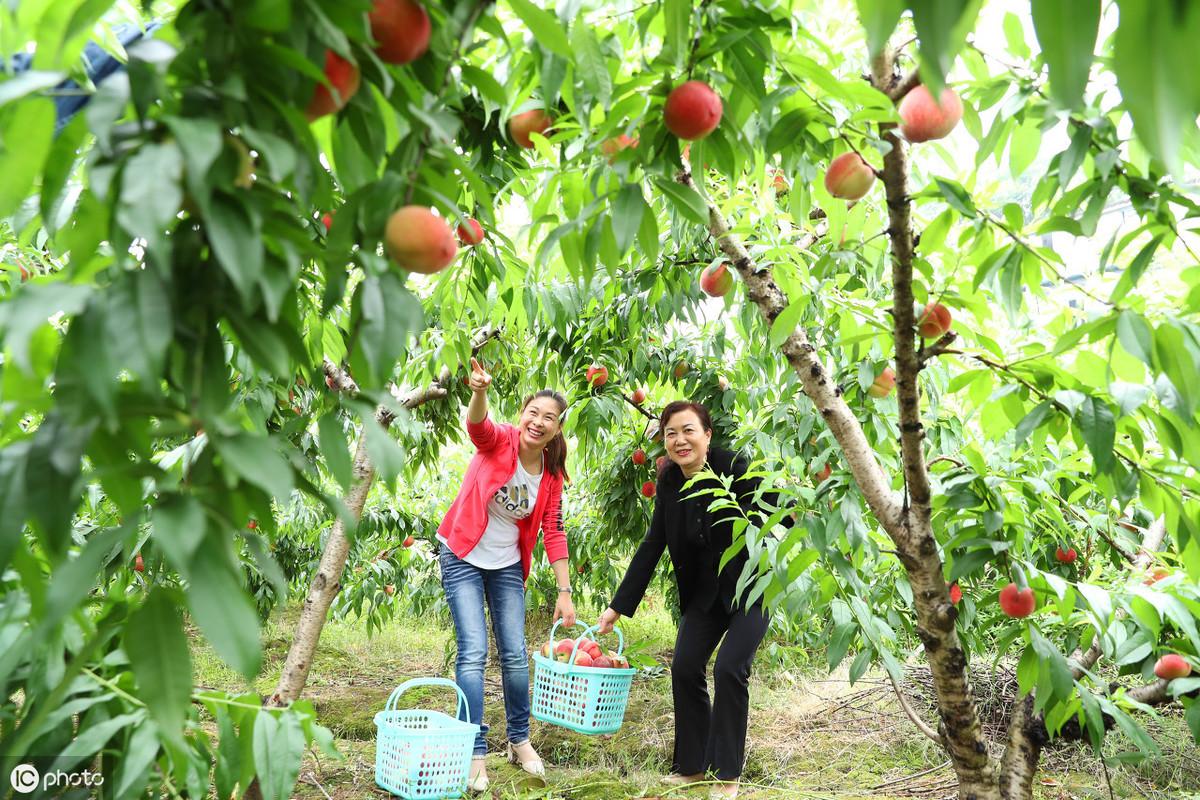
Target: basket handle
[[463, 712], [620, 636], [587, 631]]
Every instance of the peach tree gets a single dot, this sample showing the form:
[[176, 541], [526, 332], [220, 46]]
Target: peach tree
[[960, 346]]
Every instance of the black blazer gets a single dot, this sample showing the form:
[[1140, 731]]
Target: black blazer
[[694, 537]]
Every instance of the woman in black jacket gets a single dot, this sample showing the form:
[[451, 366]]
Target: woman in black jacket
[[706, 736]]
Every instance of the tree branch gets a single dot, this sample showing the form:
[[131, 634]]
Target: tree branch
[[908, 366], [909, 82], [1152, 539], [939, 348], [818, 385], [911, 713], [640, 410]]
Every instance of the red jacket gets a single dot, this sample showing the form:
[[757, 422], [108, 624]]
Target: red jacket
[[494, 464]]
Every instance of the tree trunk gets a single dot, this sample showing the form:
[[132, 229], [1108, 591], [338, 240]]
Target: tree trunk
[[1026, 738], [324, 588], [960, 727]]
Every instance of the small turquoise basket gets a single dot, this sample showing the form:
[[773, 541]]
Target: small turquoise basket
[[421, 755], [587, 700]]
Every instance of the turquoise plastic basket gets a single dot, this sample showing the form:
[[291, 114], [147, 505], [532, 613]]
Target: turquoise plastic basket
[[582, 699], [421, 755]]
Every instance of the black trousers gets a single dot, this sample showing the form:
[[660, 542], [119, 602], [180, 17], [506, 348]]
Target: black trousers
[[713, 736]]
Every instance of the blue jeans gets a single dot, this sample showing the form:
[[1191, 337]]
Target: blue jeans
[[467, 587]]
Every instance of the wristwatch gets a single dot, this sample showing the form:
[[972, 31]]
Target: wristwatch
[[567, 590]]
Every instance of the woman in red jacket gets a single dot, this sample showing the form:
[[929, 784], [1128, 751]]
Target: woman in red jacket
[[513, 488]]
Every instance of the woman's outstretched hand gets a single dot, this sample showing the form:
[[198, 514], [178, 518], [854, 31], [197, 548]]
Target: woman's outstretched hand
[[565, 609], [479, 379], [607, 620]]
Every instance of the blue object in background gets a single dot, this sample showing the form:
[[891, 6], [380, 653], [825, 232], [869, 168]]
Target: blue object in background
[[98, 63]]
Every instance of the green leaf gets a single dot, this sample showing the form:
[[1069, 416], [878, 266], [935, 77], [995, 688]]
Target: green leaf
[[1023, 146], [74, 579], [235, 232], [150, 190], [28, 82], [1066, 32], [57, 206], [1137, 735], [1094, 717], [1133, 273], [879, 18], [958, 197], [178, 525], [385, 315], [628, 211], [677, 16], [942, 27], [1073, 156], [278, 748], [971, 562], [12, 499], [258, 461], [685, 199], [1154, 60], [222, 609], [1174, 358], [484, 83], [92, 738], [229, 750], [1095, 420], [1053, 660], [544, 26], [647, 235], [1027, 671], [590, 64], [24, 143], [1032, 421], [333, 447], [269, 15], [386, 455], [262, 343], [138, 324], [137, 756], [200, 142], [1192, 716], [52, 477], [785, 324], [158, 654], [1136, 336]]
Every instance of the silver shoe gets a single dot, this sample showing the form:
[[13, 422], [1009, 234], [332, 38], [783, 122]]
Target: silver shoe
[[533, 766], [675, 779], [480, 782], [726, 791]]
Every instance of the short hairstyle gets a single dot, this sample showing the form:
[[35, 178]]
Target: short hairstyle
[[676, 406]]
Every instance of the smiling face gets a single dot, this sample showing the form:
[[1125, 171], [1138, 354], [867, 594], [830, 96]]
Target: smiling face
[[539, 422], [687, 441]]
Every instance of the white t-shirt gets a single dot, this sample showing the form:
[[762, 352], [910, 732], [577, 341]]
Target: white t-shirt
[[513, 501]]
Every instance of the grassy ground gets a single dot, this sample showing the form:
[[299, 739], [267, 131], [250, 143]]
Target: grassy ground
[[811, 736]]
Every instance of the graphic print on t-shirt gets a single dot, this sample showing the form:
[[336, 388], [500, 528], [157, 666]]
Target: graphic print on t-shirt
[[515, 499]]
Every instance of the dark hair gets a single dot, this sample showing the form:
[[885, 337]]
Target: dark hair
[[676, 406], [556, 450]]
